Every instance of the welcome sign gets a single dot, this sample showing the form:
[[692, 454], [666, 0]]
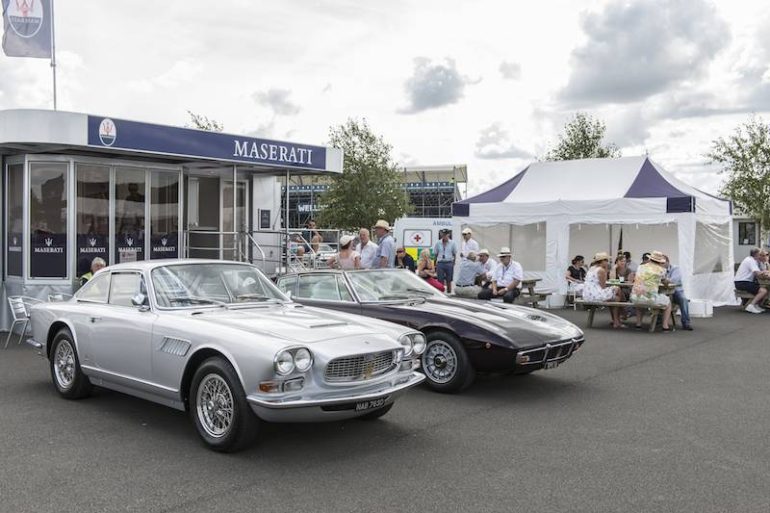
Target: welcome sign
[[187, 142]]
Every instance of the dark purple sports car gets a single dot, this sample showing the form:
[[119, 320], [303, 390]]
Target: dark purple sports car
[[464, 336]]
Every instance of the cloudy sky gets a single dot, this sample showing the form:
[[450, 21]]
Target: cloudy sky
[[487, 83]]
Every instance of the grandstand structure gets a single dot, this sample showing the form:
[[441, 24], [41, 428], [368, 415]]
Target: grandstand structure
[[431, 189]]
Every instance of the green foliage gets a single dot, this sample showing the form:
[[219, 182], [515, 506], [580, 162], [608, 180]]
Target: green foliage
[[369, 187], [582, 139], [745, 160], [201, 122]]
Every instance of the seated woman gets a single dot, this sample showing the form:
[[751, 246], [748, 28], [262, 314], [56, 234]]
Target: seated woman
[[404, 260], [623, 272], [576, 274], [596, 288], [646, 289], [346, 258], [426, 270]]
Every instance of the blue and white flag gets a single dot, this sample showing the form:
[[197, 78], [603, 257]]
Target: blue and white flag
[[27, 28]]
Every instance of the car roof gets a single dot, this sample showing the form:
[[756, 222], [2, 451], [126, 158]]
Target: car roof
[[152, 264]]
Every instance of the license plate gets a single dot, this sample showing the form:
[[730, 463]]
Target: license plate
[[371, 404], [551, 365]]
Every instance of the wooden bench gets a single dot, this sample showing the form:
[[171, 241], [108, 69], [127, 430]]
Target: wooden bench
[[745, 297], [655, 310], [529, 294]]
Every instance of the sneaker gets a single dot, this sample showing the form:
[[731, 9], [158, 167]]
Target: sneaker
[[754, 309]]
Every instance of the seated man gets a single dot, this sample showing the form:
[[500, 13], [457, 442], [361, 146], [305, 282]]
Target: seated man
[[674, 276], [96, 264], [646, 289], [746, 280], [489, 264], [470, 271], [506, 279]]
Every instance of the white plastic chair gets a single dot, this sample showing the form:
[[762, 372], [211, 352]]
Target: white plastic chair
[[19, 306]]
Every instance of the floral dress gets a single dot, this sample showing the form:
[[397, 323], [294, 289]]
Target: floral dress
[[593, 291]]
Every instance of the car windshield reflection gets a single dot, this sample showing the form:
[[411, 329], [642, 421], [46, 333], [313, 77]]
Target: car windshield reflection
[[221, 285], [374, 286]]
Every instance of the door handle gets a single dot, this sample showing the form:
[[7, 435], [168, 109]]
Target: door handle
[[96, 319]]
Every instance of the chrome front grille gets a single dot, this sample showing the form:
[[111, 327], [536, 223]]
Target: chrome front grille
[[360, 367]]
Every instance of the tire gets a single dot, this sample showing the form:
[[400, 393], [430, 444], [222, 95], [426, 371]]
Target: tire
[[66, 374], [445, 364], [214, 386], [376, 414]]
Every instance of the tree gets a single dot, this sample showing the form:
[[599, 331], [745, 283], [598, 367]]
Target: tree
[[582, 139], [201, 122], [369, 187], [745, 159]]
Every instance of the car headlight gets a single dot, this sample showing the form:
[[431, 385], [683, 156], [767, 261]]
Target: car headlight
[[284, 363], [406, 341], [303, 360], [418, 343]]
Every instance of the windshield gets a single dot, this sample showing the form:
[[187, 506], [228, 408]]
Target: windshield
[[390, 285], [187, 285]]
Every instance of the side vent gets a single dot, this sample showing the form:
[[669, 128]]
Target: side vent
[[175, 346]]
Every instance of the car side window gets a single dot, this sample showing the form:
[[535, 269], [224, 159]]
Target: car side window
[[286, 285], [96, 289], [343, 288], [125, 286], [323, 287]]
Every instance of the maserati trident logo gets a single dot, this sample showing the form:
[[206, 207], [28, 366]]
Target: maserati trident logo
[[25, 17], [107, 132], [92, 242], [48, 241], [129, 241], [164, 241]]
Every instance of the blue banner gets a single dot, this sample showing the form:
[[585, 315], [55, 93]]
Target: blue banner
[[199, 144], [27, 28]]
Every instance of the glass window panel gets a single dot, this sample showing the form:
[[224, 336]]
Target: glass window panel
[[93, 215], [96, 289], [125, 286], [747, 234], [129, 214], [164, 215], [15, 225], [48, 220]]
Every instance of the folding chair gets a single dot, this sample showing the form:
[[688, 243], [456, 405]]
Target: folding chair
[[19, 306]]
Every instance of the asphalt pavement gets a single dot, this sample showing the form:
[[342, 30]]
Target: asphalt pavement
[[633, 422]]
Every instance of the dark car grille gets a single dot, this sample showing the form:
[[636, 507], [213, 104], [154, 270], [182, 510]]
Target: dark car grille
[[360, 367], [556, 351]]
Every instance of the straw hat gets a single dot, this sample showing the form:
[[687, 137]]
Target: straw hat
[[345, 240], [602, 255], [382, 224], [658, 257], [467, 231], [504, 251], [484, 251]]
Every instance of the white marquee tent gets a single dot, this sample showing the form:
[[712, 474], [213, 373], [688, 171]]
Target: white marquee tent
[[552, 211]]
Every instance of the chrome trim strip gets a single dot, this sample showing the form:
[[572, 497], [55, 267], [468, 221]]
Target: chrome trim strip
[[414, 379], [104, 374], [573, 343]]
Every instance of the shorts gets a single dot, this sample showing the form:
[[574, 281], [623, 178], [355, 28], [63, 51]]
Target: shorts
[[656, 299], [748, 286], [445, 271]]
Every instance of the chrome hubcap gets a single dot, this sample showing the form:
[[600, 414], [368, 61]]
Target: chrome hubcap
[[439, 362], [64, 364], [214, 403]]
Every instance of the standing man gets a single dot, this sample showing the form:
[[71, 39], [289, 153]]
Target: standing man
[[506, 278], [746, 280], [674, 276], [489, 265], [367, 249], [445, 252], [386, 252], [468, 244]]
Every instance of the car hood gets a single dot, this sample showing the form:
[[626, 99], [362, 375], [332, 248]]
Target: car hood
[[523, 326], [297, 324]]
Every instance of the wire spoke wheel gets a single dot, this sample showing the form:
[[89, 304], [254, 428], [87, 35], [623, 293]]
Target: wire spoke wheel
[[215, 405], [64, 365]]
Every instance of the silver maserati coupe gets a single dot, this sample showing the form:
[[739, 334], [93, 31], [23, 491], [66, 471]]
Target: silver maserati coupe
[[220, 340]]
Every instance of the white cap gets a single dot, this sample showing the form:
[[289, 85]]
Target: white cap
[[467, 231], [345, 240]]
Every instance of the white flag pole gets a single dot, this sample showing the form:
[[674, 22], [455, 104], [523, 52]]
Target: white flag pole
[[53, 56]]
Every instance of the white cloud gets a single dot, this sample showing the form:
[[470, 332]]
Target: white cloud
[[277, 100], [433, 85], [494, 142], [510, 70]]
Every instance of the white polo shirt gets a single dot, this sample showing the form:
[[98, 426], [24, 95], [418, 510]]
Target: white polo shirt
[[747, 269], [467, 246], [505, 275], [368, 254], [490, 267]]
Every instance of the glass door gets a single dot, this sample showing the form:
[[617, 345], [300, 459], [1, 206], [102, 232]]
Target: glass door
[[130, 193], [93, 215], [233, 246]]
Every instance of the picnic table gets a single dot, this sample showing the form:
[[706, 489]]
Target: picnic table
[[654, 310], [747, 297], [528, 294]]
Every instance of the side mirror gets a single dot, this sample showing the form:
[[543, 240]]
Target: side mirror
[[140, 301], [288, 293]]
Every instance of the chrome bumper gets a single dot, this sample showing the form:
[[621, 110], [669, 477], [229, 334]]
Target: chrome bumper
[[390, 388], [552, 353]]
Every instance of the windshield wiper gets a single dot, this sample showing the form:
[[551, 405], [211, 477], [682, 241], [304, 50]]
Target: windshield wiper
[[257, 297], [393, 297], [420, 291], [197, 299]]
